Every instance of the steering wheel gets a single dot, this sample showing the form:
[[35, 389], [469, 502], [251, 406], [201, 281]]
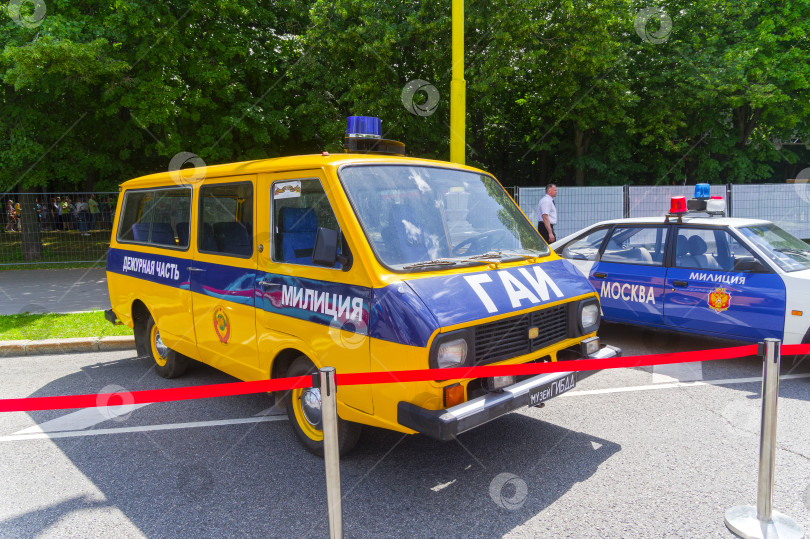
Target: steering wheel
[[476, 245]]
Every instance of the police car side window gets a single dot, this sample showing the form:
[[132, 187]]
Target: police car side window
[[156, 217], [636, 245], [226, 219], [300, 207], [586, 247], [710, 249]]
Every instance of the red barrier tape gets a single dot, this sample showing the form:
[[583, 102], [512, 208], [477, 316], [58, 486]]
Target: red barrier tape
[[284, 384], [153, 395], [540, 368]]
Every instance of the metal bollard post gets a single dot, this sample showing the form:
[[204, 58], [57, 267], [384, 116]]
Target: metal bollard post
[[331, 454], [762, 521]]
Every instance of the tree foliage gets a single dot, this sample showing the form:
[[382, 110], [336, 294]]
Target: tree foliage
[[568, 91]]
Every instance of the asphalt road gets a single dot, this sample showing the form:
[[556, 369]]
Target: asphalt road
[[638, 452]]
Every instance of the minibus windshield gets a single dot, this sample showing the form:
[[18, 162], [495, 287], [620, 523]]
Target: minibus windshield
[[422, 218]]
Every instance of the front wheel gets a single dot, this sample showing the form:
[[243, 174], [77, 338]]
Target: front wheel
[[168, 363], [304, 412]]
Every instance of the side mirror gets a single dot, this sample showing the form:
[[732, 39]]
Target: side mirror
[[325, 252]]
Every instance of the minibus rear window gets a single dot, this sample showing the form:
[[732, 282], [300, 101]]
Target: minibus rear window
[[156, 217]]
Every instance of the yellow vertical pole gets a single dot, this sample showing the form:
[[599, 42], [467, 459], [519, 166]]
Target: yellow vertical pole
[[458, 86]]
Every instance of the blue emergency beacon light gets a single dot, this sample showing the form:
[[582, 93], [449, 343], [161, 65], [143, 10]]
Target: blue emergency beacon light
[[702, 194], [702, 190], [364, 135]]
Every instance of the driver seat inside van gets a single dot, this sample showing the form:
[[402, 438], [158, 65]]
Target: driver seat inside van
[[298, 229]]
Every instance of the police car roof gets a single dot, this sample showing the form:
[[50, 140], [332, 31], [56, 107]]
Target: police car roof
[[696, 218], [293, 163], [687, 219]]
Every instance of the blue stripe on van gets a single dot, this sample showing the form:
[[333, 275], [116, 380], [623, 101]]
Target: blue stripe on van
[[407, 313], [341, 306], [159, 269]]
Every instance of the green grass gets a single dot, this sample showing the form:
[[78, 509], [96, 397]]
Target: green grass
[[57, 326], [68, 247]]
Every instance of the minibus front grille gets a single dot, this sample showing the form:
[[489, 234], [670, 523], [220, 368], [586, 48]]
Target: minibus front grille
[[509, 337]]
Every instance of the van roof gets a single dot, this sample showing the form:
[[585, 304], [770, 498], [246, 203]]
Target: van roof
[[298, 162]]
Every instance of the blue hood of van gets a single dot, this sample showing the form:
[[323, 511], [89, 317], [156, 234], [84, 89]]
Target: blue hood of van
[[411, 311]]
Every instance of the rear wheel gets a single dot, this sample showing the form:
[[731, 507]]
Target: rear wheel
[[304, 412], [168, 363]]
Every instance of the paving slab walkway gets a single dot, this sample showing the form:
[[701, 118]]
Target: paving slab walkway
[[53, 291]]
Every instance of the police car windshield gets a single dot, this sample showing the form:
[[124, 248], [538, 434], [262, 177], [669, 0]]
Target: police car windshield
[[414, 214], [785, 250]]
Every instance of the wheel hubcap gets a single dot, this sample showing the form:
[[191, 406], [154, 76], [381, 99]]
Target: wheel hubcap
[[311, 406], [160, 348]]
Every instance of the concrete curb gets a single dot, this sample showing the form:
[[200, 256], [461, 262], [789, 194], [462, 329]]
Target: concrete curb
[[66, 346]]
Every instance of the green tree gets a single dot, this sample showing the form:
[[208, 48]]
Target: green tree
[[105, 90]]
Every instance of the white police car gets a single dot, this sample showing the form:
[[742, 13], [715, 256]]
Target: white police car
[[698, 272]]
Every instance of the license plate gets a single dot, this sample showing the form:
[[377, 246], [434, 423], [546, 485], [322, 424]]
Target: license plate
[[552, 389]]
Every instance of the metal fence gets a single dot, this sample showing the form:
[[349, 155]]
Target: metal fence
[[70, 236], [787, 205], [71, 227]]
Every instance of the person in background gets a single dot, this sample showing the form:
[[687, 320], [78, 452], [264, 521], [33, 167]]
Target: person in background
[[94, 211], [82, 215], [66, 207], [11, 218], [547, 214], [107, 209], [59, 223], [72, 217]]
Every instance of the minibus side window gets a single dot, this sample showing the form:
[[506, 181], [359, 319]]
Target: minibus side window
[[158, 217], [226, 219], [300, 207]]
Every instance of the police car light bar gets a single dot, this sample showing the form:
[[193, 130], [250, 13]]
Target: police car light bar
[[364, 135], [702, 202]]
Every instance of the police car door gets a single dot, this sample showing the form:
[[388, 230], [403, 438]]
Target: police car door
[[712, 289], [630, 274], [223, 274]]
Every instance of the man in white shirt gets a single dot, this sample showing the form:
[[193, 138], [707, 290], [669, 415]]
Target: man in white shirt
[[547, 214]]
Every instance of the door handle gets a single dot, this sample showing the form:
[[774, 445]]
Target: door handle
[[680, 283], [269, 283], [600, 275], [192, 268]]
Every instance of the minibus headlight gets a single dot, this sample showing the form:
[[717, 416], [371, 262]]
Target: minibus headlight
[[453, 349], [451, 353], [589, 316]]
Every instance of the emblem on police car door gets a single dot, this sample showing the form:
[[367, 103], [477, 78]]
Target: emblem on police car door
[[221, 325], [719, 300]]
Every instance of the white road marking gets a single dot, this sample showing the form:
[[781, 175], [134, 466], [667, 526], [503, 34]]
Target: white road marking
[[82, 419], [441, 486], [144, 428], [677, 372], [728, 381]]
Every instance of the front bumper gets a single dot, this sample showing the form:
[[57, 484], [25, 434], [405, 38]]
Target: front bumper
[[446, 424]]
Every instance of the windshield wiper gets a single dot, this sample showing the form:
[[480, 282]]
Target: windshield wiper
[[504, 254], [427, 263], [790, 250]]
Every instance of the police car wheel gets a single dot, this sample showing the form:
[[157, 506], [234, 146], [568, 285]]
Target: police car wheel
[[168, 363], [304, 411]]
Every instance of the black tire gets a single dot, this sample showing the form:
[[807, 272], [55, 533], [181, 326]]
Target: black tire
[[168, 363], [308, 429]]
